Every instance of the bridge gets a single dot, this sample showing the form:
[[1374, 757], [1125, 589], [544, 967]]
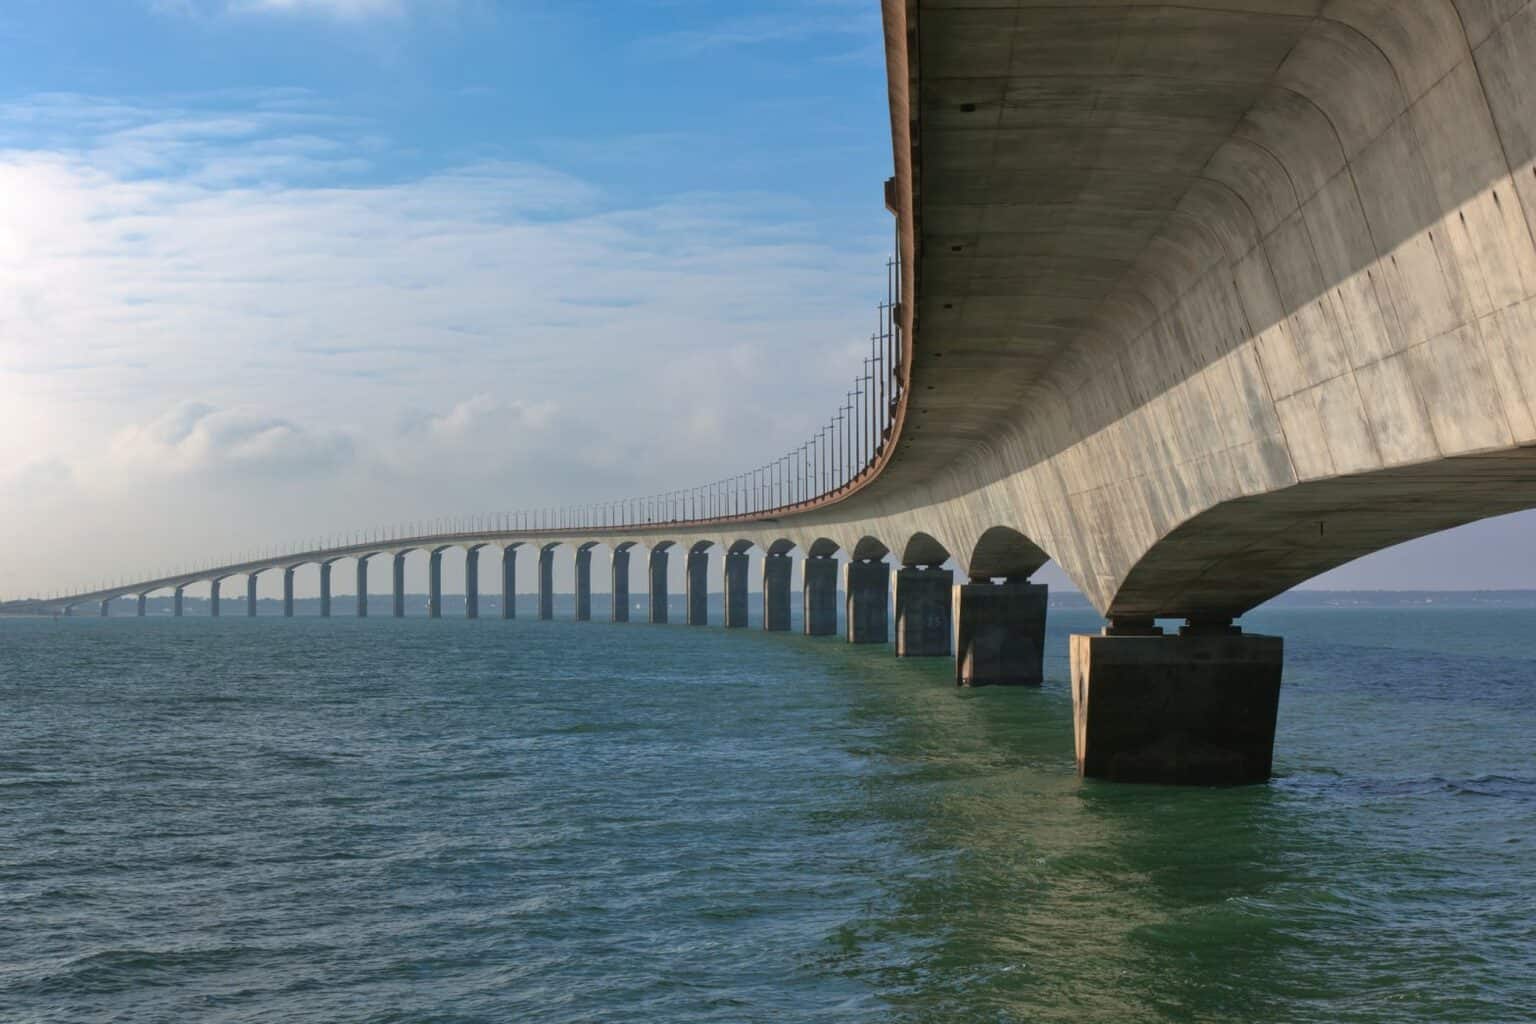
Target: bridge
[[1198, 301]]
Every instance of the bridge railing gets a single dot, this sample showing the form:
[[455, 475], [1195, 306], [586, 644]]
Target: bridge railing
[[845, 450]]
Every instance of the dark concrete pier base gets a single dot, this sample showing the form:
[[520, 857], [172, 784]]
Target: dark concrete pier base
[[923, 600], [362, 588], [583, 584], [397, 588], [213, 599], [736, 565], [143, 600], [509, 582], [472, 583], [1000, 633], [819, 596], [547, 583], [250, 596], [658, 584], [621, 585], [325, 590], [696, 580], [776, 575], [106, 608], [1184, 710], [867, 586], [435, 585], [176, 603]]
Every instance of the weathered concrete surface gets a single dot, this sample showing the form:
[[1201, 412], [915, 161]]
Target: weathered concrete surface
[[658, 584], [143, 602], [325, 587], [1190, 710], [213, 599], [583, 584], [250, 595], [397, 587], [922, 602], [866, 589], [777, 570], [509, 582], [472, 583], [546, 582], [734, 572], [362, 588], [696, 586], [435, 584], [176, 603], [620, 585], [819, 597], [1000, 633]]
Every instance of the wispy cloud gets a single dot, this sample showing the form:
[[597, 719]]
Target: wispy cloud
[[214, 327]]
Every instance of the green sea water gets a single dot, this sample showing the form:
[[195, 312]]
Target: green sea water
[[340, 820]]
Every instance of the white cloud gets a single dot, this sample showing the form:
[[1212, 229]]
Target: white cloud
[[210, 319]]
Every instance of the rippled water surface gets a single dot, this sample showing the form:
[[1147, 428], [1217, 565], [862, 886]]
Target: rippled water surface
[[340, 820]]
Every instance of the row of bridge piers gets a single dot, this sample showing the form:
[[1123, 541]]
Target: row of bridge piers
[[1196, 707]]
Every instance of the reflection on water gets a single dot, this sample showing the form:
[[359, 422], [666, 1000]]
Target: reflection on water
[[319, 821]]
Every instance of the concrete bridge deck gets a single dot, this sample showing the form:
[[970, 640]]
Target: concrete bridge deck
[[1199, 301]]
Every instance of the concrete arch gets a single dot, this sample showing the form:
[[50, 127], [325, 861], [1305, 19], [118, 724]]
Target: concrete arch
[[782, 546], [700, 546], [739, 547], [923, 549], [1227, 559], [1002, 551]]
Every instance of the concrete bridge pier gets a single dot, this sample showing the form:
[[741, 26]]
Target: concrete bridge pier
[[621, 585], [287, 593], [546, 583], [736, 565], [105, 605], [867, 586], [1194, 709], [658, 583], [696, 577], [509, 583], [472, 583], [250, 595], [143, 601], [1000, 633], [584, 584], [213, 599], [325, 590], [819, 596], [362, 588], [398, 586], [176, 603], [924, 595], [435, 585], [776, 575]]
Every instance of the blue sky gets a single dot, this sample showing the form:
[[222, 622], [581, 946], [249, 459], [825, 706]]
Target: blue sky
[[279, 269]]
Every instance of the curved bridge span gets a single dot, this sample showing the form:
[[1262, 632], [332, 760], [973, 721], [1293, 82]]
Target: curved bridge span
[[1197, 300]]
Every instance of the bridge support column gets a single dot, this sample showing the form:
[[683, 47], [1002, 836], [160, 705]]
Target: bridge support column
[[435, 585], [362, 588], [621, 586], [736, 565], [287, 593], [176, 603], [250, 596], [213, 599], [923, 600], [776, 574], [696, 578], [397, 585], [658, 584], [325, 590], [472, 584], [867, 585], [546, 583], [819, 596], [509, 583], [1000, 633], [105, 606], [1194, 709], [143, 601], [583, 584]]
